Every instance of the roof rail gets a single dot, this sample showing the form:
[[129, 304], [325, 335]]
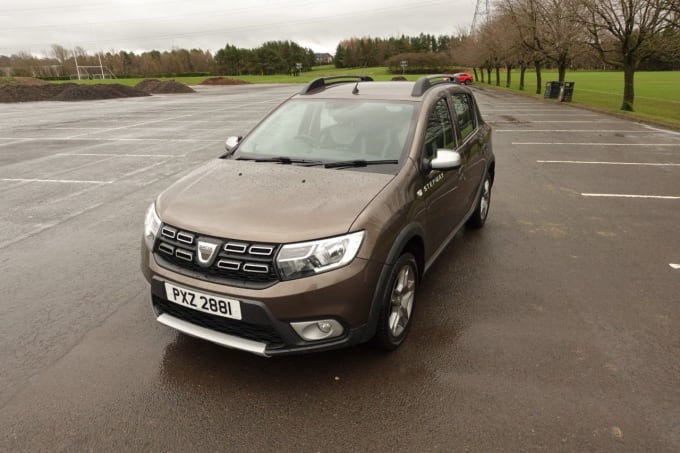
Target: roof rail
[[425, 83], [322, 82]]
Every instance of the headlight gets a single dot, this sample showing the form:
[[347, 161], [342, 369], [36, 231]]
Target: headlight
[[314, 257], [151, 225]]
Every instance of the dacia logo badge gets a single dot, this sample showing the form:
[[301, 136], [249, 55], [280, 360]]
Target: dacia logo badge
[[206, 253]]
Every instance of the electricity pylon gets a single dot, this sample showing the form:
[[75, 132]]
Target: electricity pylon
[[481, 14]]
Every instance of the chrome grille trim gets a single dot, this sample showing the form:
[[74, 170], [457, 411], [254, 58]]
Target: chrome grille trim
[[166, 248], [235, 247], [256, 268], [185, 237], [239, 262], [184, 255], [262, 250], [169, 232], [229, 265]]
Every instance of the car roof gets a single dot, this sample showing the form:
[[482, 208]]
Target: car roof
[[367, 89]]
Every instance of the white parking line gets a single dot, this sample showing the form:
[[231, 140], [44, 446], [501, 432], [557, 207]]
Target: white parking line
[[599, 131], [44, 227], [540, 111], [160, 156], [644, 164], [141, 170], [556, 121], [60, 181], [596, 144], [620, 195], [205, 113], [99, 139]]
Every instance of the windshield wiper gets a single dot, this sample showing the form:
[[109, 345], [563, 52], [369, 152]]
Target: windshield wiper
[[283, 160], [359, 163]]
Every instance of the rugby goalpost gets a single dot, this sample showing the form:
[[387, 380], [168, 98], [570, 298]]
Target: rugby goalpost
[[91, 72]]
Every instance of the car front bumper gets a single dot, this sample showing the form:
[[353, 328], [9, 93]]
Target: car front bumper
[[342, 297]]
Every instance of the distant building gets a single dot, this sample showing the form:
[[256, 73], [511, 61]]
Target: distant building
[[323, 58]]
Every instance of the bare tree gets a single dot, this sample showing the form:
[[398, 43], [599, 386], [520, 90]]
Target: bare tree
[[524, 15], [23, 64], [467, 53], [549, 31], [621, 29], [674, 13], [512, 52], [61, 54]]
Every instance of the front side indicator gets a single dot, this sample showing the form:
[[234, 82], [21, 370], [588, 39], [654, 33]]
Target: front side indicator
[[152, 223]]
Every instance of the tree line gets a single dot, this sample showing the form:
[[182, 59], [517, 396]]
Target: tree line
[[274, 57], [628, 35]]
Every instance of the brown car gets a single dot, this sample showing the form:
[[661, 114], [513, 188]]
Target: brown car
[[314, 230]]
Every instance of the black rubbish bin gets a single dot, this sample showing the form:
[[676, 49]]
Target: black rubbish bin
[[552, 90], [567, 91]]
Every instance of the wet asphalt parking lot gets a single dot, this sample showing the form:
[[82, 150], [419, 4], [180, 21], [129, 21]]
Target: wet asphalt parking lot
[[555, 328]]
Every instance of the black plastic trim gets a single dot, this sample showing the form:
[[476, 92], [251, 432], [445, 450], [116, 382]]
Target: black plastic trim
[[425, 83], [412, 230], [323, 82]]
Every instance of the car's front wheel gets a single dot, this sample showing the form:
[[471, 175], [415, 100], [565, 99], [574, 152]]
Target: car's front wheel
[[478, 218], [398, 301]]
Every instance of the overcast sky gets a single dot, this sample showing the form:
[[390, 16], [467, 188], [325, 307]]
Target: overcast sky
[[140, 25]]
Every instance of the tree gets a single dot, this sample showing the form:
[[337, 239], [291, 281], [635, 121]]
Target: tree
[[524, 14], [229, 60], [549, 30], [22, 64], [61, 54], [621, 29], [491, 40], [467, 53], [339, 59]]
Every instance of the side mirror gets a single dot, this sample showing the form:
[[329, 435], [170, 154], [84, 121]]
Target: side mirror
[[446, 160], [231, 143]]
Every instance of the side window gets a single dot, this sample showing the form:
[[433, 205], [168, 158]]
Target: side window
[[465, 114], [439, 133]]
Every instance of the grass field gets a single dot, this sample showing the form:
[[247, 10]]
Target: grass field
[[657, 94]]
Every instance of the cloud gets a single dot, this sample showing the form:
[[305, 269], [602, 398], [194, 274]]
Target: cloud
[[209, 25]]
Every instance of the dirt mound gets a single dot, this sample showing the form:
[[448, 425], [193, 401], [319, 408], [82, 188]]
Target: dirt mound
[[75, 92], [223, 81], [155, 86], [65, 92], [24, 93]]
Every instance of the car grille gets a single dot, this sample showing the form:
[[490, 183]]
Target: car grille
[[263, 334], [237, 263]]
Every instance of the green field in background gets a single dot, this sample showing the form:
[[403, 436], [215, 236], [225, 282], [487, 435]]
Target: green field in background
[[378, 73], [657, 94]]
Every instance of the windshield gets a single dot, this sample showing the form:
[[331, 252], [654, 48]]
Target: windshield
[[333, 130]]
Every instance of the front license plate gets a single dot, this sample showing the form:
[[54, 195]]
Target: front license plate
[[207, 303]]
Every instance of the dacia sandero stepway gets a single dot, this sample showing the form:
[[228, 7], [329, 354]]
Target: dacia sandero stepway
[[314, 230]]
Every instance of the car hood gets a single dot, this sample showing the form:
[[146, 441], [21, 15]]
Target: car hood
[[268, 202]]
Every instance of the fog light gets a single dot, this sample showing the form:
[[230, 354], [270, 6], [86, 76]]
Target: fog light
[[318, 330], [325, 326]]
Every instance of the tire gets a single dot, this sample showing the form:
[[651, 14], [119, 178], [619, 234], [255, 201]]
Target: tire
[[398, 301], [468, 82], [478, 218]]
